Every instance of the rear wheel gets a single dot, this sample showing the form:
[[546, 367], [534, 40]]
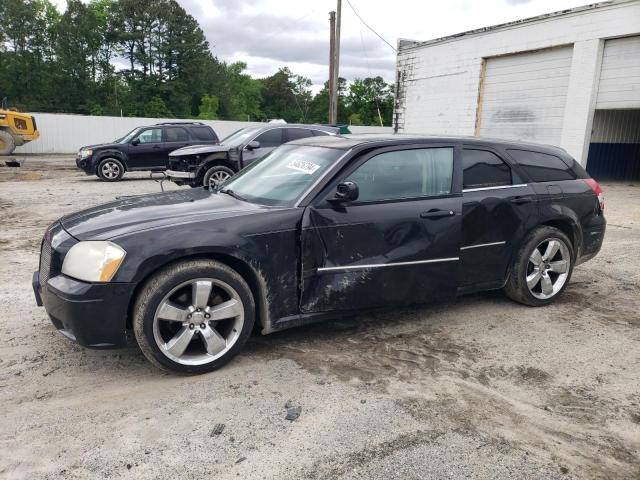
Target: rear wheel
[[7, 143], [542, 268], [193, 317], [110, 170]]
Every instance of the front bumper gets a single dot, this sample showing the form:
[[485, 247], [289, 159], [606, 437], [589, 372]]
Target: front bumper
[[92, 314], [180, 175], [85, 164]]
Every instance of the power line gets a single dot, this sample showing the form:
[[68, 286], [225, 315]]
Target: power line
[[366, 25]]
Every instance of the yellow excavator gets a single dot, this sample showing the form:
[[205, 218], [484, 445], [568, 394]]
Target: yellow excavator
[[16, 128]]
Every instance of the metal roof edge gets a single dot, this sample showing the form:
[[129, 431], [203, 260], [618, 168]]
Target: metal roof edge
[[407, 44]]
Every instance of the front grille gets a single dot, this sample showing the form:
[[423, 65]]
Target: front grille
[[45, 261]]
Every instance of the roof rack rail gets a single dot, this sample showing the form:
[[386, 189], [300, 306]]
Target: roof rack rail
[[180, 123]]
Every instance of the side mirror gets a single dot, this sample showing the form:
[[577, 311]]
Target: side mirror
[[135, 142], [346, 192], [253, 145]]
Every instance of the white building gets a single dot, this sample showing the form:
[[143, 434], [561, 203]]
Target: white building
[[569, 78]]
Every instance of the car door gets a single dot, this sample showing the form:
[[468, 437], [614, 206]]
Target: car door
[[268, 140], [498, 209], [145, 150], [397, 244]]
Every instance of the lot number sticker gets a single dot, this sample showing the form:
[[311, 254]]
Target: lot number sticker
[[302, 166]]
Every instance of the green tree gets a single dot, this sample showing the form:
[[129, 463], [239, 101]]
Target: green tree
[[156, 108], [241, 95], [354, 119], [368, 96], [27, 30], [319, 109], [208, 108]]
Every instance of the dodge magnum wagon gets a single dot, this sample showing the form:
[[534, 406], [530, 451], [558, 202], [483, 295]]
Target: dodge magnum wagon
[[320, 227]]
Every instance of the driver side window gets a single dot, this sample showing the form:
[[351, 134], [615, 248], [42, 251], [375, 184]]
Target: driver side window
[[153, 135], [415, 173], [270, 138]]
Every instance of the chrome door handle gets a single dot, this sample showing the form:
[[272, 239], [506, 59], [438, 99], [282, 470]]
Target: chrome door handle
[[437, 214]]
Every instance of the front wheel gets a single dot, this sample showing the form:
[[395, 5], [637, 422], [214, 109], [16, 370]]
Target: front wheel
[[110, 170], [193, 317], [216, 175], [542, 268], [7, 143]]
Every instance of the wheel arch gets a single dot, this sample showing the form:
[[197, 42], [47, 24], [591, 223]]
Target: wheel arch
[[255, 281], [569, 228], [117, 154], [211, 161], [566, 225]]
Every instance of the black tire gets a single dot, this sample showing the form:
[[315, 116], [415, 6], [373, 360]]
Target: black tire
[[110, 170], [216, 170], [516, 287], [161, 284], [7, 143]]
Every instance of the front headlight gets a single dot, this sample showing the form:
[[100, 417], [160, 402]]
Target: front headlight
[[85, 153], [93, 261]]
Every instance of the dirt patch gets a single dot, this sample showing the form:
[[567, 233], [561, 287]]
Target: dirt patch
[[477, 388]]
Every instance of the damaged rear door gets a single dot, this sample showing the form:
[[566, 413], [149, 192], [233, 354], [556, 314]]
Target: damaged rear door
[[397, 243]]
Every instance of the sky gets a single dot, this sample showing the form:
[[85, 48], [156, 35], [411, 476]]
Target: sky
[[269, 34]]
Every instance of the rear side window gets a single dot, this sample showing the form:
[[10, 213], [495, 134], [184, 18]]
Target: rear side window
[[320, 133], [405, 174], [270, 138], [203, 133], [176, 134], [484, 169], [296, 133], [542, 167]]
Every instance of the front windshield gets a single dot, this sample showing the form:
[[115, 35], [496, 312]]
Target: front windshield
[[280, 178], [129, 136], [240, 136]]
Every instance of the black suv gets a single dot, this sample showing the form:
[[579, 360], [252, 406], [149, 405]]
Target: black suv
[[327, 226], [143, 148], [211, 165]]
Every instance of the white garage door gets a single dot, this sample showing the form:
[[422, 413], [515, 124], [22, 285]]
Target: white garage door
[[620, 75], [524, 95]]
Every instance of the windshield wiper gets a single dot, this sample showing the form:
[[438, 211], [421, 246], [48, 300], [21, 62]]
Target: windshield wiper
[[230, 192]]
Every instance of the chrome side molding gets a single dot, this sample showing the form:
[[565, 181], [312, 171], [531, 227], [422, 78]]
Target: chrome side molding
[[501, 187], [384, 265], [482, 245]]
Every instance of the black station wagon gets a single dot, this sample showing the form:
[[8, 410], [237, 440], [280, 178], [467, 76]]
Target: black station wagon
[[320, 227]]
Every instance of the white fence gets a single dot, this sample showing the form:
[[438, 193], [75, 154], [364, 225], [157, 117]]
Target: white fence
[[60, 133]]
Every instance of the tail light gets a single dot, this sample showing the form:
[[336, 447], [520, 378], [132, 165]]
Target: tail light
[[597, 190]]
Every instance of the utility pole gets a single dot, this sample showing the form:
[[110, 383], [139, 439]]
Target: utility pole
[[332, 56], [334, 62]]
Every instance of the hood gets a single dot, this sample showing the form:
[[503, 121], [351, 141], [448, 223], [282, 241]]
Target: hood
[[199, 149], [101, 145], [143, 212]]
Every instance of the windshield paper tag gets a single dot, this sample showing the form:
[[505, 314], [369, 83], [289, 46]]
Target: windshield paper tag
[[302, 166]]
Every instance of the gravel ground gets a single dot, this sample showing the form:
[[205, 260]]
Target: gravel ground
[[479, 388]]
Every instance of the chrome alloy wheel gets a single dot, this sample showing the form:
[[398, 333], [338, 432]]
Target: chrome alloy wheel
[[110, 169], [216, 178], [198, 321], [548, 268]]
